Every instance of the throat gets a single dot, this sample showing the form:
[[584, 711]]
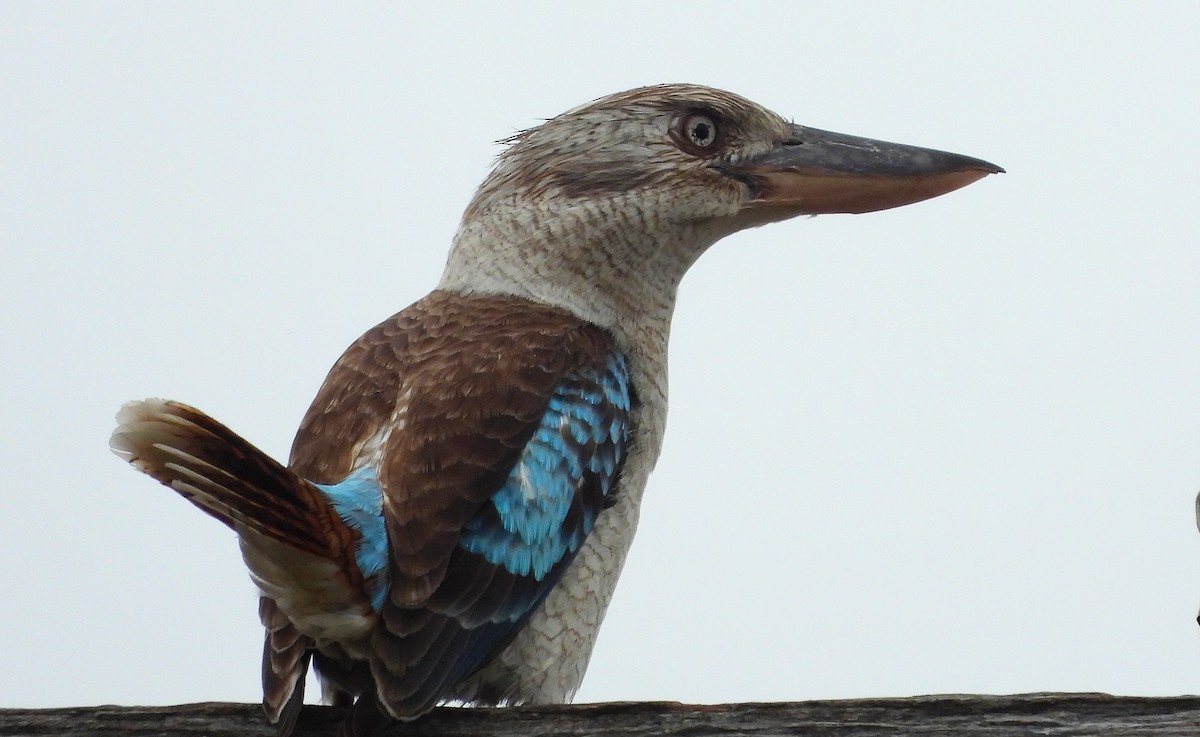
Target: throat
[[608, 267]]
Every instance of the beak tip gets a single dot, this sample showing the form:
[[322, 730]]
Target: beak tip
[[950, 162]]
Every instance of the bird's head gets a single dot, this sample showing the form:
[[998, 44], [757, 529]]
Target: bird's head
[[615, 199]]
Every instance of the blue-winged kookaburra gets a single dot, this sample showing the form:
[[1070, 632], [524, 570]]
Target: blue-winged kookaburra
[[461, 495]]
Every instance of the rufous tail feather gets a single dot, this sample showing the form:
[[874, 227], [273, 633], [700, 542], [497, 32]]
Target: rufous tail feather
[[226, 476]]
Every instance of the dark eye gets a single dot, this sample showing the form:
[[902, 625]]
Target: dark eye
[[698, 131]]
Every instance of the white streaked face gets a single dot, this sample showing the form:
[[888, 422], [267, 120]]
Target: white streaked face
[[659, 142]]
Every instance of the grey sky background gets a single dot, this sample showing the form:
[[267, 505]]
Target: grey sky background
[[948, 448]]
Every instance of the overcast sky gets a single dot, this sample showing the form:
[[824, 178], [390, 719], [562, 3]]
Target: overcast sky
[[952, 447]]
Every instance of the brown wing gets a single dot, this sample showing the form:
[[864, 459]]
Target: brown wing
[[476, 390], [443, 397]]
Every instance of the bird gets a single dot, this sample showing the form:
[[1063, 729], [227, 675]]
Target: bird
[[461, 495]]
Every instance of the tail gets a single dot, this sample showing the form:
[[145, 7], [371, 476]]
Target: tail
[[224, 475], [279, 516]]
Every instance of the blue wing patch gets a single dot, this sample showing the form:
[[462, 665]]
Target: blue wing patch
[[548, 503], [358, 500], [538, 517]]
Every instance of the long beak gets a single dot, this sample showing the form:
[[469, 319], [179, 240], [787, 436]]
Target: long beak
[[815, 172]]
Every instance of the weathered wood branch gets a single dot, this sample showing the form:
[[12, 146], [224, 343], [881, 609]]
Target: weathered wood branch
[[970, 716]]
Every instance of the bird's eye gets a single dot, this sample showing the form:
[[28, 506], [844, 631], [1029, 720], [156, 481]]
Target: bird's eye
[[701, 130], [698, 132]]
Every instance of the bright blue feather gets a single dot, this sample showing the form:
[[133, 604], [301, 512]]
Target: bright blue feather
[[581, 435], [358, 500]]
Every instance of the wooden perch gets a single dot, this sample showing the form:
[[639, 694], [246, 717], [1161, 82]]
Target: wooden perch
[[969, 716]]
